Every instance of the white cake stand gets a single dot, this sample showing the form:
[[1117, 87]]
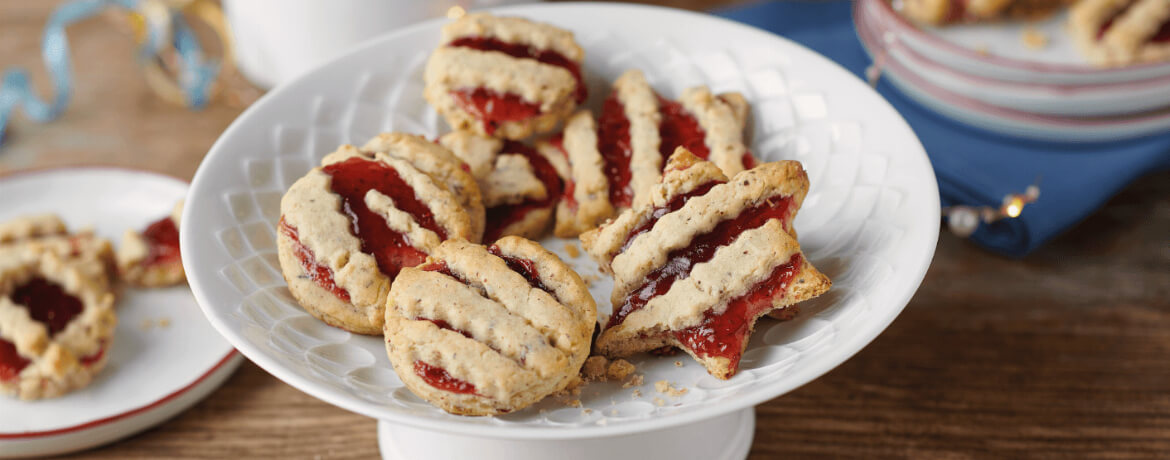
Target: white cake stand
[[870, 222]]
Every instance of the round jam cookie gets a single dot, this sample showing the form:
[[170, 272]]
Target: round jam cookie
[[503, 76], [486, 331], [151, 258], [703, 259], [1122, 32], [520, 186], [573, 153], [56, 323], [349, 226]]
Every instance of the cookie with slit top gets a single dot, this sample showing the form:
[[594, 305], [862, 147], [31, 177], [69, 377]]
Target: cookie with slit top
[[56, 321], [944, 12], [151, 258], [1113, 33], [698, 264], [488, 330], [585, 200], [520, 186], [348, 227], [638, 129], [504, 77]]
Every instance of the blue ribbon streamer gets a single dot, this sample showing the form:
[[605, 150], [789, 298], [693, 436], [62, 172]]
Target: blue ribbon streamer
[[195, 74]]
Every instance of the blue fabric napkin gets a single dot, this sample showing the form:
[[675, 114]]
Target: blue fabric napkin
[[977, 167]]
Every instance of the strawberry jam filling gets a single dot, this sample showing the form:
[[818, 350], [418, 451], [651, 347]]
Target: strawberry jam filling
[[94, 358], [11, 363], [524, 267], [47, 303], [558, 141], [613, 141], [499, 218], [680, 129], [723, 334], [162, 238], [680, 262], [522, 51], [748, 160], [492, 108], [352, 179], [439, 378], [445, 325], [673, 205], [320, 274]]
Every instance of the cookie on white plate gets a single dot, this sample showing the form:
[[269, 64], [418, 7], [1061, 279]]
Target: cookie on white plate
[[488, 330]]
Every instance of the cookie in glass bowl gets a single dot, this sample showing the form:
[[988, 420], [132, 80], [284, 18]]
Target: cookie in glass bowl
[[504, 77]]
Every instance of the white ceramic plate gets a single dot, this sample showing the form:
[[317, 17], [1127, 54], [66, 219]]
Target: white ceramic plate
[[979, 112], [153, 372], [1007, 58], [870, 220], [1126, 98]]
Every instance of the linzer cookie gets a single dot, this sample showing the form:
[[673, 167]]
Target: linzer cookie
[[638, 129], [151, 258], [486, 331], [520, 186], [585, 201], [349, 227], [1122, 32], [503, 76], [702, 259], [56, 322]]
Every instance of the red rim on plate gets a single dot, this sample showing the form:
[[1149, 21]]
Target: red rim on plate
[[873, 44], [141, 409], [890, 15]]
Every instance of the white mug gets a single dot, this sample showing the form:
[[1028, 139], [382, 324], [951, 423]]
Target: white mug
[[276, 40]]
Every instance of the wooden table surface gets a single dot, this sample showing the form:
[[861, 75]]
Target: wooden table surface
[[1065, 353]]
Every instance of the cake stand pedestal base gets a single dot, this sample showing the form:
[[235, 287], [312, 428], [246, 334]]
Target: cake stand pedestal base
[[727, 437]]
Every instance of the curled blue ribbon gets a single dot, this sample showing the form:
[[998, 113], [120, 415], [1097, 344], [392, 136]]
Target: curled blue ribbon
[[195, 73]]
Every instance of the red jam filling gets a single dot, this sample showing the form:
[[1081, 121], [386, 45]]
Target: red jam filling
[[681, 261], [162, 238], [439, 378], [445, 325], [320, 274], [958, 10], [749, 161], [493, 109], [11, 363], [723, 334], [679, 128], [613, 140], [47, 303], [91, 359], [500, 217], [524, 267], [673, 205], [354, 177], [558, 141], [518, 50]]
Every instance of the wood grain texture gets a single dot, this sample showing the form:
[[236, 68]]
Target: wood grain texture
[[1065, 354]]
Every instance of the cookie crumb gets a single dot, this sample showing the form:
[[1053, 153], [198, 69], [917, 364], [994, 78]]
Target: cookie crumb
[[573, 403], [164, 322], [572, 250], [636, 381], [659, 402], [1034, 38], [595, 368], [983, 49], [678, 364], [587, 411], [619, 370], [664, 387]]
